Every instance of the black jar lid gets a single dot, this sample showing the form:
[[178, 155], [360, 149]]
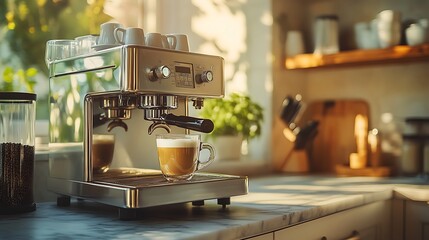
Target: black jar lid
[[18, 96], [415, 137], [417, 120]]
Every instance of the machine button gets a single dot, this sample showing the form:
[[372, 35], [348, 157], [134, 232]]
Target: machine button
[[206, 76], [161, 72]]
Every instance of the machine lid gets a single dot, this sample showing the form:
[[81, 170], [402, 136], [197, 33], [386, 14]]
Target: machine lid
[[18, 96]]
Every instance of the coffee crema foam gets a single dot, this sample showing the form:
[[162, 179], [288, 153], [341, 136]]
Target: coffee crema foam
[[177, 143]]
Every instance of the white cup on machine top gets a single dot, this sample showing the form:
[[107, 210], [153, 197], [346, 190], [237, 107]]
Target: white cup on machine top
[[132, 35], [107, 36], [154, 40], [165, 43], [178, 42], [171, 41]]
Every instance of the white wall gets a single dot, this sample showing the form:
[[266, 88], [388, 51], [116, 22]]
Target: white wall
[[177, 16]]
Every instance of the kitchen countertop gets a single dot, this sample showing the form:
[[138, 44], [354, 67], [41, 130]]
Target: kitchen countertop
[[273, 203]]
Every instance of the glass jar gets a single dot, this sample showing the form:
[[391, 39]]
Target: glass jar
[[326, 34], [426, 157], [412, 155], [17, 120]]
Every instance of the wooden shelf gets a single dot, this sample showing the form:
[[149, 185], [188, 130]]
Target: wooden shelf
[[397, 53]]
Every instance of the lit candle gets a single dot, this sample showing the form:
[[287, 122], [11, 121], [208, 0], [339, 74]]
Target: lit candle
[[358, 159], [355, 162]]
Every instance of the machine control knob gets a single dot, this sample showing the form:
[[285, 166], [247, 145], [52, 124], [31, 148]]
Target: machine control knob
[[206, 76], [161, 72]]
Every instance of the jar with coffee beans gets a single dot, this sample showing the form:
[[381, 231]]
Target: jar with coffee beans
[[17, 120]]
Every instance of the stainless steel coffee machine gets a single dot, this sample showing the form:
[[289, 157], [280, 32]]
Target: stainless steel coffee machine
[[131, 92]]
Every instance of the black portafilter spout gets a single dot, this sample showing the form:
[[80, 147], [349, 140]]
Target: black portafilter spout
[[191, 123]]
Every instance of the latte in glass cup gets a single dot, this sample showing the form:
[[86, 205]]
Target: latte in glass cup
[[178, 155]]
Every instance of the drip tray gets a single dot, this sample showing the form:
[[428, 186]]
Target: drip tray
[[152, 178], [140, 188]]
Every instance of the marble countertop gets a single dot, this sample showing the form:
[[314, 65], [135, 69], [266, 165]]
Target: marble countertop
[[273, 203]]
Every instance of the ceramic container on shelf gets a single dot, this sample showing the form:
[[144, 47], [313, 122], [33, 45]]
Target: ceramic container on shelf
[[294, 43], [326, 34], [366, 35], [416, 34], [389, 28]]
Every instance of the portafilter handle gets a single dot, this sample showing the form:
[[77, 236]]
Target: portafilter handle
[[191, 123]]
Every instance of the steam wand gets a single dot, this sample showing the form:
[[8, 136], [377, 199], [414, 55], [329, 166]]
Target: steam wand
[[191, 123]]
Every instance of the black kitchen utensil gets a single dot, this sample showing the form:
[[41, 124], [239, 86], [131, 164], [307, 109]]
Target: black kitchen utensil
[[290, 109], [286, 109], [306, 134], [296, 107]]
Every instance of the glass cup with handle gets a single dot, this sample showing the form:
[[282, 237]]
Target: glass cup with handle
[[85, 44], [179, 155]]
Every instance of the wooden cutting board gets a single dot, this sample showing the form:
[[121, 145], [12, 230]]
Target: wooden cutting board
[[336, 132]]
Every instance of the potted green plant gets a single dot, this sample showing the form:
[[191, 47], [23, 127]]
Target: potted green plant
[[236, 118]]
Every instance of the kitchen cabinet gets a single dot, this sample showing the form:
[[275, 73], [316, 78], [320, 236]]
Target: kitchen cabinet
[[410, 219], [267, 236], [370, 222], [416, 219]]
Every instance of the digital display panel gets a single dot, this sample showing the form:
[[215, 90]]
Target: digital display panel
[[181, 69], [184, 75]]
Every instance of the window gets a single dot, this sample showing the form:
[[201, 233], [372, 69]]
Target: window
[[25, 26]]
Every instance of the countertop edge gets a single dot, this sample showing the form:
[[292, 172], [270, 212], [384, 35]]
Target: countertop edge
[[305, 215]]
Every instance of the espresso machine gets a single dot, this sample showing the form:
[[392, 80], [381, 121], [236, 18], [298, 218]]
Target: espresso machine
[[131, 92]]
